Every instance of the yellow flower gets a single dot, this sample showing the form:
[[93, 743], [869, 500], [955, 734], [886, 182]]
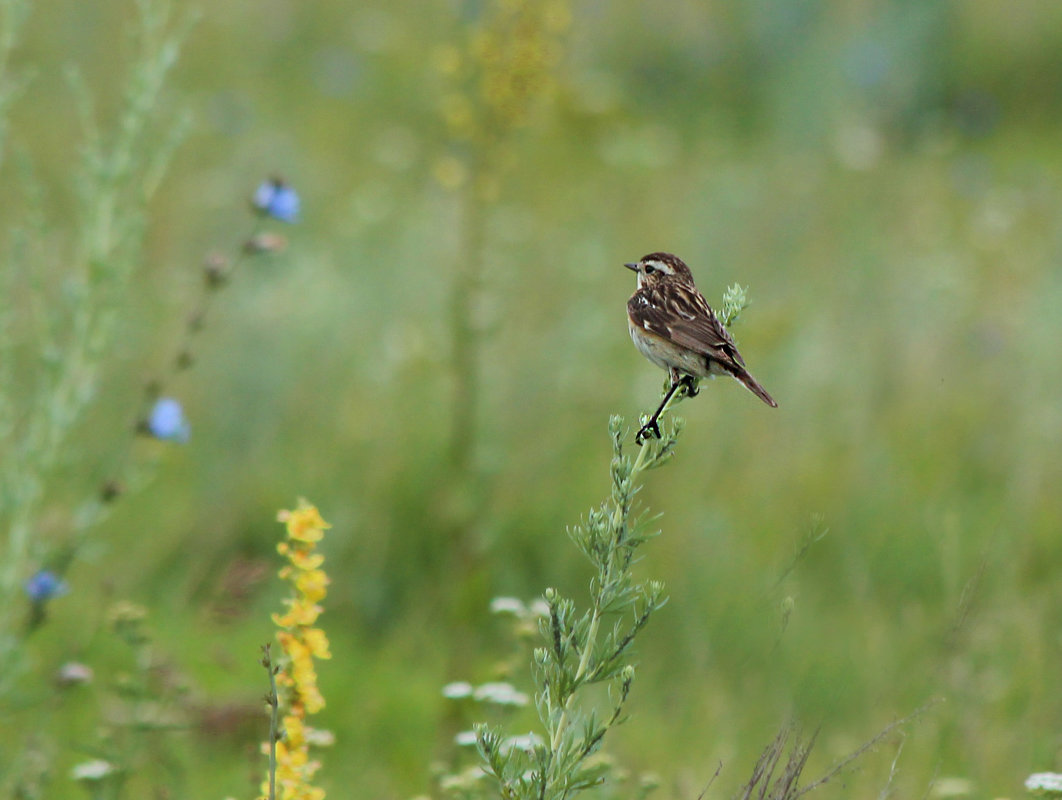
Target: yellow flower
[[302, 559], [301, 643], [299, 613], [294, 732], [317, 642], [311, 585], [304, 523], [314, 701]]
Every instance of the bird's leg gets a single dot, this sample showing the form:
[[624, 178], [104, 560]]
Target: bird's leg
[[689, 386], [689, 383], [652, 427]]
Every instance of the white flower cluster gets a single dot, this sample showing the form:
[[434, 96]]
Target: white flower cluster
[[517, 607], [1048, 784], [499, 693], [526, 742], [95, 770]]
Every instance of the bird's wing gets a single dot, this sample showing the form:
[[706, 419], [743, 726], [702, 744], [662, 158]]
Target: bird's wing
[[685, 318]]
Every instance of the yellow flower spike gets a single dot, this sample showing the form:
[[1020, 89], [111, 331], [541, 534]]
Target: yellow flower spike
[[300, 643]]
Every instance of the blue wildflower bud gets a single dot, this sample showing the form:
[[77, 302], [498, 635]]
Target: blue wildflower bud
[[277, 199], [167, 421], [43, 586]]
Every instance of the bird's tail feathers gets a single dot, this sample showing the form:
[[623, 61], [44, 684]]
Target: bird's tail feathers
[[754, 386]]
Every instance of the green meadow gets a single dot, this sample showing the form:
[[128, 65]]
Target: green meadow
[[884, 177]]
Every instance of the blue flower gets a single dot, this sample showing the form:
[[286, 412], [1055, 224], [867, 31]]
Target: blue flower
[[44, 585], [167, 421], [277, 199]]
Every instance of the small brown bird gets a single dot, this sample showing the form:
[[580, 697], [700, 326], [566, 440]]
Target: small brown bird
[[674, 327]]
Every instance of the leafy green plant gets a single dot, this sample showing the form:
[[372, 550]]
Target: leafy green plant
[[589, 648], [57, 327]]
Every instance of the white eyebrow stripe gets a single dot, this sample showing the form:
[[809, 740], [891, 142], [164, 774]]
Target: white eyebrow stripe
[[660, 265]]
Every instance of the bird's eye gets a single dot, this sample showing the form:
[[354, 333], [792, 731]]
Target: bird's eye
[[649, 270]]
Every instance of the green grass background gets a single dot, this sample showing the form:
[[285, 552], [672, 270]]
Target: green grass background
[[885, 177]]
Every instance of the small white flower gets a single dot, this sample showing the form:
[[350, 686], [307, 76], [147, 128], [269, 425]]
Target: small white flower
[[503, 694], [74, 672], [508, 605], [95, 770], [1044, 782], [528, 742], [540, 608], [465, 739], [319, 737], [457, 690]]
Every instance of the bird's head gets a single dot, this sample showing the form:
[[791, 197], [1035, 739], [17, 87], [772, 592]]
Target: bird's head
[[657, 269]]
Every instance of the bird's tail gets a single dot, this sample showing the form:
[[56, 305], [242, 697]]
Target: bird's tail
[[754, 386]]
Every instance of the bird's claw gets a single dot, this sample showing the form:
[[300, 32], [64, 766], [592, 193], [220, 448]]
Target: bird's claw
[[689, 387], [651, 428]]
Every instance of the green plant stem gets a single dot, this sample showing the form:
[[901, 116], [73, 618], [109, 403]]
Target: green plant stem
[[595, 620], [110, 203], [464, 325]]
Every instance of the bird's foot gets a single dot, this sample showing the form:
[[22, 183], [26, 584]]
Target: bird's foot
[[651, 428], [689, 386]]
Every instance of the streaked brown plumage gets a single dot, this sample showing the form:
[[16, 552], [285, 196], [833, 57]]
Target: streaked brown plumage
[[674, 327]]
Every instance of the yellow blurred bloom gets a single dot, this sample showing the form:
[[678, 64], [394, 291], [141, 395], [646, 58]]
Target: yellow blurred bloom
[[506, 60], [311, 584], [314, 702], [318, 643], [294, 731], [298, 614], [300, 559], [300, 644], [304, 523], [305, 677], [450, 172]]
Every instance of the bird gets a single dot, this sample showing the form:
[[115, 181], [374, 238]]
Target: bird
[[674, 327]]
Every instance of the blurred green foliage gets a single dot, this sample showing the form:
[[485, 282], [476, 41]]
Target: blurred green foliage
[[883, 175]]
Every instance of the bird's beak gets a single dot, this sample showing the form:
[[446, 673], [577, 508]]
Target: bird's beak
[[633, 267]]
